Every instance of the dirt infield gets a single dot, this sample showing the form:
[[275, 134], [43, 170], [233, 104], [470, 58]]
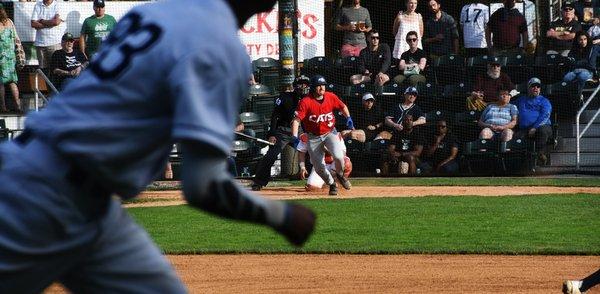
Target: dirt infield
[[328, 273], [164, 198]]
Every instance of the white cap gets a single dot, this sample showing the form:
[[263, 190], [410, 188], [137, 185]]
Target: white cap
[[368, 96]]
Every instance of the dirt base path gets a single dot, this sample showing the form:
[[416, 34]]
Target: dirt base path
[[164, 198]]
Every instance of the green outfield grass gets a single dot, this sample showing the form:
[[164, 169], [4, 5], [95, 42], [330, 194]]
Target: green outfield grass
[[548, 224]]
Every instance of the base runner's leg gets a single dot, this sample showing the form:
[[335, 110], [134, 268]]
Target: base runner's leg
[[317, 158], [335, 146]]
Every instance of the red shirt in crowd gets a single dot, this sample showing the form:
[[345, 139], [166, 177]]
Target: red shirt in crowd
[[506, 27], [318, 117], [491, 87]]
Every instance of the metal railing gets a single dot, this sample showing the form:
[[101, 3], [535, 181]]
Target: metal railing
[[587, 126], [39, 93]]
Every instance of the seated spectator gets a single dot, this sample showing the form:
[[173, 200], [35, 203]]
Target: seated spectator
[[404, 149], [441, 32], [506, 30], [67, 63], [375, 60], [584, 61], [368, 122], [412, 62], [585, 11], [534, 118], [393, 120], [487, 86], [440, 151], [474, 18], [498, 119], [354, 21], [594, 31], [562, 32]]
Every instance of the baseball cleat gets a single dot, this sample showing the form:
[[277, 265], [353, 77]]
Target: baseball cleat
[[571, 287], [333, 189], [298, 225], [344, 181]]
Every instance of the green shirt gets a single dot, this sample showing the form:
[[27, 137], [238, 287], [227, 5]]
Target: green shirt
[[96, 29]]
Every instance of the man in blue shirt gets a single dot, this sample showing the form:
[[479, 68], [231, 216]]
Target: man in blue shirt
[[534, 118]]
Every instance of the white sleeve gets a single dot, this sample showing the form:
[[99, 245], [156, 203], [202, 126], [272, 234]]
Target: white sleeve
[[36, 12], [462, 14]]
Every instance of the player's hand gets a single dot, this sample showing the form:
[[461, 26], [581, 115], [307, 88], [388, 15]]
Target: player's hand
[[272, 139], [294, 142], [371, 128], [303, 173], [349, 123]]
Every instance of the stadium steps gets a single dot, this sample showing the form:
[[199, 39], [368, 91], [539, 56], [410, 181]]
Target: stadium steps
[[564, 157]]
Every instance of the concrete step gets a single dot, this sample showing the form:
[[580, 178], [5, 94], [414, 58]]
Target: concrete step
[[570, 158], [587, 145], [555, 170], [593, 131]]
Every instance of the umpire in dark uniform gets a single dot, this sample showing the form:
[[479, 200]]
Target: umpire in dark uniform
[[280, 131]]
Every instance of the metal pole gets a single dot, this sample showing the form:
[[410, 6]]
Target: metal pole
[[37, 87], [287, 27]]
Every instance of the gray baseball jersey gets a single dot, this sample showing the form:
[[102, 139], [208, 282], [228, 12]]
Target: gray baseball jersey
[[149, 85]]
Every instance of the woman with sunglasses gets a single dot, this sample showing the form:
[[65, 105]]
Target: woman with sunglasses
[[405, 22], [562, 32]]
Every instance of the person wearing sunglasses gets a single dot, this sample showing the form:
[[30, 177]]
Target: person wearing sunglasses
[[562, 32], [534, 118], [440, 151], [374, 62], [67, 63], [412, 62]]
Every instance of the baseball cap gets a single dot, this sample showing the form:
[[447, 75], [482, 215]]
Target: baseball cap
[[568, 4], [534, 81], [411, 90], [67, 36], [494, 60], [99, 3], [368, 96]]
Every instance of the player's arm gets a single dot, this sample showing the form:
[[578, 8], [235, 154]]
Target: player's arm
[[302, 165], [207, 185]]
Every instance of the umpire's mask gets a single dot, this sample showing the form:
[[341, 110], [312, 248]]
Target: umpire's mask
[[244, 9]]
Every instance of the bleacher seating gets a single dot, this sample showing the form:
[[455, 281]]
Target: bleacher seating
[[449, 69], [317, 65], [266, 71]]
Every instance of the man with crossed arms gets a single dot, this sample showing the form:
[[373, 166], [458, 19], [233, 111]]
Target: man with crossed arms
[[316, 112]]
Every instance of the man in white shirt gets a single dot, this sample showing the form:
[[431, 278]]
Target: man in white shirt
[[48, 30], [473, 19]]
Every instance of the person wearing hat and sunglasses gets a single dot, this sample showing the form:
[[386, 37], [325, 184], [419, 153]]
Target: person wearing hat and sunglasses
[[67, 63], [534, 118], [394, 119], [562, 32], [95, 29], [487, 86]]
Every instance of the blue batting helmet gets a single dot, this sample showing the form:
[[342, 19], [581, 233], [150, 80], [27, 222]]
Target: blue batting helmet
[[317, 80]]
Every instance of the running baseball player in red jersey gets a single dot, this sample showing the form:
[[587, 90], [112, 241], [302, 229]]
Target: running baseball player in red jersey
[[316, 112]]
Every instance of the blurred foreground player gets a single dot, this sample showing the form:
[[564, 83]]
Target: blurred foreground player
[[110, 132]]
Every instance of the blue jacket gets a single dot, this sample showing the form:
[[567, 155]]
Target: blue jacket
[[533, 111]]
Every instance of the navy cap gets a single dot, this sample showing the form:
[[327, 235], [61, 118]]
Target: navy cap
[[99, 3], [67, 37], [411, 90]]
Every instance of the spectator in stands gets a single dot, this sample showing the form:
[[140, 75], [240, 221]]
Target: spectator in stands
[[404, 150], [534, 118], [46, 21], [375, 60], [584, 60], [405, 22], [412, 62], [67, 63], [440, 151], [474, 18], [562, 32], [498, 119], [11, 56], [586, 11], [393, 120], [368, 122], [95, 29], [441, 32], [280, 129], [506, 30], [354, 21], [488, 85], [594, 31]]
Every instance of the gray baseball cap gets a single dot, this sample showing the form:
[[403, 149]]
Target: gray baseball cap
[[534, 81], [368, 96], [411, 90]]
